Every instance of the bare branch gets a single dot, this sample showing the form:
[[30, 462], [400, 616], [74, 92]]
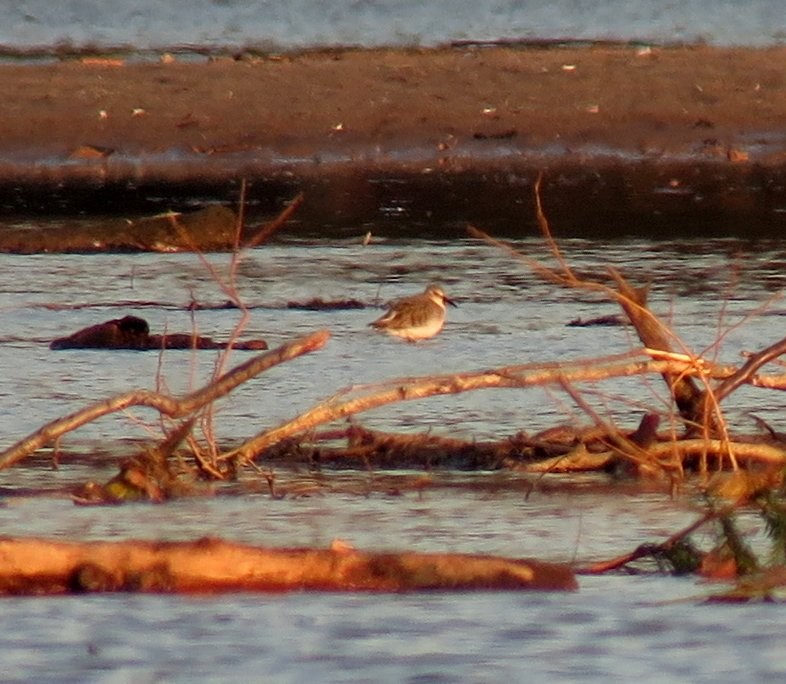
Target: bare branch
[[356, 400], [266, 231], [745, 374], [692, 403]]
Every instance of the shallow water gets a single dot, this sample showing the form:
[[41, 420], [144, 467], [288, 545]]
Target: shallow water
[[506, 316], [273, 24], [613, 628], [394, 638]]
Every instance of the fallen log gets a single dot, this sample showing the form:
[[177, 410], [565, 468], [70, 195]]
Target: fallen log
[[37, 566]]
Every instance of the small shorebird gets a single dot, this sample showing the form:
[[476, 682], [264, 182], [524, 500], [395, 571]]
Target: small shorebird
[[417, 317]]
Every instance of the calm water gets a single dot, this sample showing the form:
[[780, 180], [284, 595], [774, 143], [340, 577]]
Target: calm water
[[279, 24], [614, 628]]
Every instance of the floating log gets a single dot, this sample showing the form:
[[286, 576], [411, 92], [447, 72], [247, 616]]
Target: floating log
[[38, 566], [132, 332]]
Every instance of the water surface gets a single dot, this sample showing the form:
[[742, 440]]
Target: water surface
[[274, 24], [617, 627]]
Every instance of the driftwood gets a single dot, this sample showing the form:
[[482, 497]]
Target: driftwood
[[37, 566], [688, 396], [695, 434], [356, 400], [602, 449], [589, 450], [668, 454], [132, 332], [390, 451]]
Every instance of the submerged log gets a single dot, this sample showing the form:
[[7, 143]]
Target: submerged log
[[37, 566], [384, 450], [639, 452], [610, 320], [132, 332], [319, 304]]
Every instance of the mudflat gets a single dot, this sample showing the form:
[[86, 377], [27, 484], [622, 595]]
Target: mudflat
[[652, 113]]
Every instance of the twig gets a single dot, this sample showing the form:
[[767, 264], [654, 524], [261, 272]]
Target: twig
[[266, 231], [229, 286], [745, 374], [648, 549], [696, 407], [545, 230]]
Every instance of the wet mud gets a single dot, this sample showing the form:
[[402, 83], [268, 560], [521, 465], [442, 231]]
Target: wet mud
[[629, 140]]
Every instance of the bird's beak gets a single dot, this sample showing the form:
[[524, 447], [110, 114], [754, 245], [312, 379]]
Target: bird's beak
[[448, 300]]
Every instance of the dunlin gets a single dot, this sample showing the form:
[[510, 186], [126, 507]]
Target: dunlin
[[415, 318]]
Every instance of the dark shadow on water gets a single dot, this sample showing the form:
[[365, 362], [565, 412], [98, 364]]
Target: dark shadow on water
[[602, 199]]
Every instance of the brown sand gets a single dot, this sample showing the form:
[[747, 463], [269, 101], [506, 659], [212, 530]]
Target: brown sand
[[438, 113]]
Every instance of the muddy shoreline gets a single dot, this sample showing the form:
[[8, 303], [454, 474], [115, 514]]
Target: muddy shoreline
[[630, 140]]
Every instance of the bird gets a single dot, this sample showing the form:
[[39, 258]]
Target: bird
[[417, 317]]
